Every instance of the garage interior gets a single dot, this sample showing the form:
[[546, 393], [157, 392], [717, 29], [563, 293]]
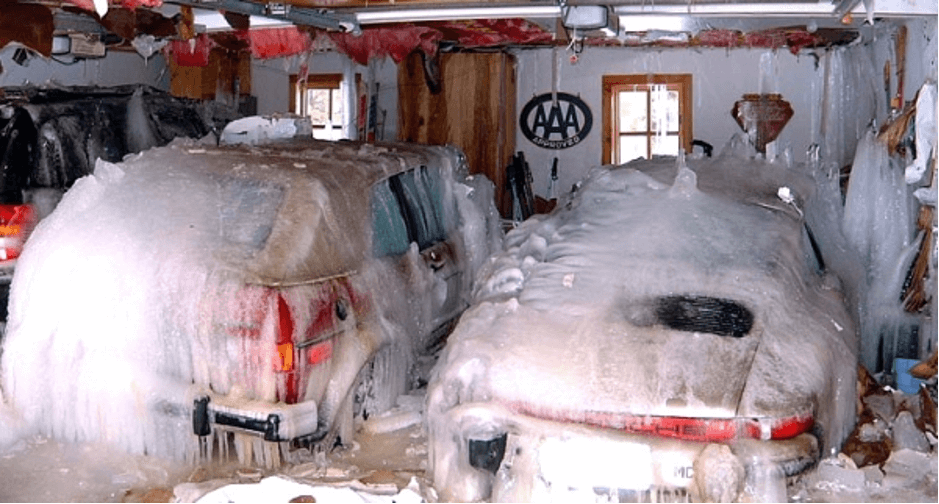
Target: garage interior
[[477, 74]]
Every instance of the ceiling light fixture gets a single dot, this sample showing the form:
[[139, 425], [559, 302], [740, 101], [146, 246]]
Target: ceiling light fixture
[[585, 17], [416, 15]]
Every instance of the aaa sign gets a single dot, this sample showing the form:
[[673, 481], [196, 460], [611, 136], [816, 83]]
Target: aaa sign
[[556, 123]]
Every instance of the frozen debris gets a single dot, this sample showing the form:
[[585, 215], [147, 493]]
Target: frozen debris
[[873, 475], [392, 421], [766, 482], [281, 489], [192, 492], [906, 435], [147, 45], [927, 195], [718, 474], [872, 432], [833, 474], [881, 405], [907, 467]]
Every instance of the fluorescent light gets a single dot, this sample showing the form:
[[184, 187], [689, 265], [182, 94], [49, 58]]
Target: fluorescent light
[[650, 22], [413, 15], [795, 8], [215, 21]]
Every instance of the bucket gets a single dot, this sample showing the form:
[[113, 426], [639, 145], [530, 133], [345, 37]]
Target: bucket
[[905, 381]]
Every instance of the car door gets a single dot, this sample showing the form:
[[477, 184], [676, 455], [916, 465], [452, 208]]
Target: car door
[[409, 208]]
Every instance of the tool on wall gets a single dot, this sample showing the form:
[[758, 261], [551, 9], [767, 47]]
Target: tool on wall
[[519, 180]]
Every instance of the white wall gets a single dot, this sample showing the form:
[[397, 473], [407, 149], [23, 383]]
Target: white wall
[[719, 78], [270, 82], [115, 68]]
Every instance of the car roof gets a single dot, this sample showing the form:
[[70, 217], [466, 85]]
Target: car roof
[[322, 227]]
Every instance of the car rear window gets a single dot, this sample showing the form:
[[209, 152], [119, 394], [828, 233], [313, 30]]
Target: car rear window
[[247, 210]]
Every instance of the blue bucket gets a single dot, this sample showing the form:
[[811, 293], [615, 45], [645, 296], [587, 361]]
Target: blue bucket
[[905, 381]]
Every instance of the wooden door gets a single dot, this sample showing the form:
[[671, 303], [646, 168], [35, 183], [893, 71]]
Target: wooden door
[[474, 110]]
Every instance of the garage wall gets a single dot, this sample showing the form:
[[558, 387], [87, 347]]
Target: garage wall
[[720, 77], [116, 68], [270, 82]]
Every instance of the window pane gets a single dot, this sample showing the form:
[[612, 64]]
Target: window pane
[[318, 106], [390, 235], [632, 111], [632, 147], [666, 145], [664, 104]]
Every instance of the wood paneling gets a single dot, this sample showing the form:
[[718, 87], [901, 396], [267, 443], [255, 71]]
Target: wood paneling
[[474, 110], [228, 74]]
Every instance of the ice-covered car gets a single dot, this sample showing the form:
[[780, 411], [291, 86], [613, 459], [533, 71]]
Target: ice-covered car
[[669, 332], [50, 137], [194, 291]]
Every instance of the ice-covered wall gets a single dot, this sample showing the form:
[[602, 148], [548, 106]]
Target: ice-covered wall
[[880, 210], [114, 69]]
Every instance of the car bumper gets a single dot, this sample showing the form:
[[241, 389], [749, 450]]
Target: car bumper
[[487, 452], [272, 421]]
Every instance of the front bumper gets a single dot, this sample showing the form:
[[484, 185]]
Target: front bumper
[[273, 421]]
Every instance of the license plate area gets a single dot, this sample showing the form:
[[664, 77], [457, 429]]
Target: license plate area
[[617, 470]]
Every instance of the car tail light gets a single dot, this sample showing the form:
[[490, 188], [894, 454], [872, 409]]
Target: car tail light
[[16, 223], [285, 358], [706, 430]]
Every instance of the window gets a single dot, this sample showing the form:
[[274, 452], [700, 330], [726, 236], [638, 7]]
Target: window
[[645, 116], [407, 208], [320, 99]]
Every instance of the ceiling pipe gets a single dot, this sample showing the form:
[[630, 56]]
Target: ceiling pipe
[[317, 18]]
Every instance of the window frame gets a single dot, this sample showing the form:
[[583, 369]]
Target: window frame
[[332, 82], [613, 84]]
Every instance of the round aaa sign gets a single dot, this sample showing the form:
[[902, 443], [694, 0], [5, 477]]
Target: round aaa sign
[[556, 124]]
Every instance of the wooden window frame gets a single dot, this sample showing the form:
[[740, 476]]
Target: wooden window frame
[[612, 84], [315, 81]]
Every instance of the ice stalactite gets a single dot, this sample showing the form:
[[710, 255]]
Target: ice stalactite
[[880, 223]]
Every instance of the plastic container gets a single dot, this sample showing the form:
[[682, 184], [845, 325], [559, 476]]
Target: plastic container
[[905, 381]]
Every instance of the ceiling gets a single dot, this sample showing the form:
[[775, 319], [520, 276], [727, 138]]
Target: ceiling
[[115, 24]]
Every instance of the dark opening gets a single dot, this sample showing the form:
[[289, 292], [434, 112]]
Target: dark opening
[[704, 314]]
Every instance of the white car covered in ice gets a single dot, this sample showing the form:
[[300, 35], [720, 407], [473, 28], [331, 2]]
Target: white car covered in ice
[[195, 293], [667, 333]]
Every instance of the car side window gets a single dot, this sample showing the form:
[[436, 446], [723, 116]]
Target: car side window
[[390, 235], [409, 207]]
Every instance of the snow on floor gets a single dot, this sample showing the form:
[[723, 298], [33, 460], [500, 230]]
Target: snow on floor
[[382, 466]]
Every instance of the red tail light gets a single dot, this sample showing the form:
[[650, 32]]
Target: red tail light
[[285, 358], [16, 223], [705, 430]]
